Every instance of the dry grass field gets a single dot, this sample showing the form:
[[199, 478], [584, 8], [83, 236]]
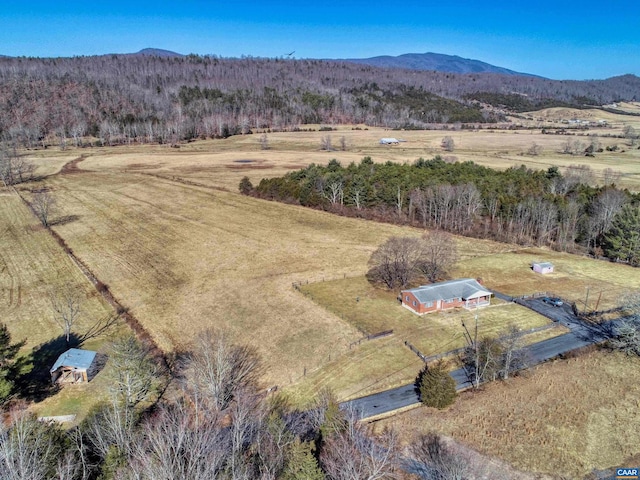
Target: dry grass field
[[222, 163], [186, 258], [565, 419]]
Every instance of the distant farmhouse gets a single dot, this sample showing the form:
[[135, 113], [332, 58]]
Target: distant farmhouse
[[74, 366], [542, 267], [464, 292], [389, 141]]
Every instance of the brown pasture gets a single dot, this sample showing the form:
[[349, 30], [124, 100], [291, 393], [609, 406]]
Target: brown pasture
[[565, 418]]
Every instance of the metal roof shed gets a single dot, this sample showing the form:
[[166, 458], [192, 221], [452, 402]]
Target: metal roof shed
[[74, 366], [542, 267]]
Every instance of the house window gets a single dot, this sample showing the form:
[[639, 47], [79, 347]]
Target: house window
[[428, 304], [414, 302], [406, 298]]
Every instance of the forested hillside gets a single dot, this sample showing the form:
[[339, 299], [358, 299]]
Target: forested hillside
[[521, 205], [147, 98]]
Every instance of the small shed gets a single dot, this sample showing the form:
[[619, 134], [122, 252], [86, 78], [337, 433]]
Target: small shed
[[74, 366], [542, 267], [389, 141]]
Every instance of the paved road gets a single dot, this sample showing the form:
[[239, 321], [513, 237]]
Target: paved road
[[406, 395], [580, 336]]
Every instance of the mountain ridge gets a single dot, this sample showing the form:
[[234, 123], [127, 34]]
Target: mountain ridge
[[438, 62]]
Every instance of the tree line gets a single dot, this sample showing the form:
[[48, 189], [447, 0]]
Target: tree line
[[519, 205], [140, 98]]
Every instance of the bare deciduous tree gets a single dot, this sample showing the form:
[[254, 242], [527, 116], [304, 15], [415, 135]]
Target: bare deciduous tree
[[482, 360], [490, 358], [534, 149], [109, 430], [14, 169], [433, 459], [66, 310], [264, 142], [448, 144], [578, 174], [611, 176], [29, 449], [354, 453], [626, 334], [43, 205], [180, 442], [325, 143], [218, 369], [394, 262], [630, 134], [514, 357], [439, 253], [135, 374], [603, 210]]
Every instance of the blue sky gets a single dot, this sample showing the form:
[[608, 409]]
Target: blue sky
[[556, 39]]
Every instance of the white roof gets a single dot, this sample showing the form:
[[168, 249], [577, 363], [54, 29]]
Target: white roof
[[464, 288], [544, 264]]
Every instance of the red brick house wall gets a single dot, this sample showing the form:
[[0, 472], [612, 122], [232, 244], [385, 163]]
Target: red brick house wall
[[410, 301]]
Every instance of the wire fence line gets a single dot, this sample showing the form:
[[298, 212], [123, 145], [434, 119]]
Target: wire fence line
[[297, 284]]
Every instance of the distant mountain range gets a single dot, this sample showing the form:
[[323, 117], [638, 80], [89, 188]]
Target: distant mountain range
[[157, 52], [409, 61], [437, 62]]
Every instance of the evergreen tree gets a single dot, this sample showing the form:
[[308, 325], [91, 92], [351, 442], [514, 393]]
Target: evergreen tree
[[437, 388], [301, 464], [8, 352], [246, 187], [622, 241]]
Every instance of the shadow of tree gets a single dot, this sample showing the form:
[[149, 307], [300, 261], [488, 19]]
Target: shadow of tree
[[99, 327], [63, 220], [35, 384]]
